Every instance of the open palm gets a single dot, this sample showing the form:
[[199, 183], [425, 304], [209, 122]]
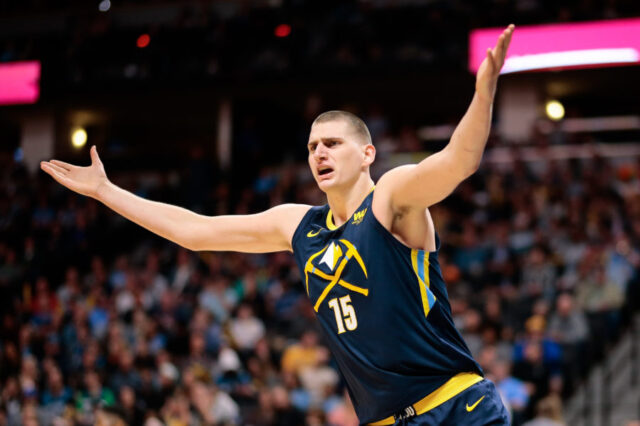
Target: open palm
[[487, 76], [83, 180]]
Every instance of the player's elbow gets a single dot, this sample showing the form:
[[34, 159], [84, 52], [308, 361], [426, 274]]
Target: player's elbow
[[193, 239], [472, 167], [190, 245]]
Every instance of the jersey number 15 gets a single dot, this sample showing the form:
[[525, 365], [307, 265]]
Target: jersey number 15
[[345, 314]]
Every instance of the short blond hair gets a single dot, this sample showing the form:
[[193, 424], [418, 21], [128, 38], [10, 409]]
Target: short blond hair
[[356, 123]]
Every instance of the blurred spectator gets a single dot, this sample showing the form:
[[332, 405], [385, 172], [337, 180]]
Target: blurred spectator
[[301, 355], [319, 379], [568, 326], [56, 395], [548, 413], [538, 275], [246, 329], [93, 396], [513, 390], [285, 413], [213, 405], [536, 358]]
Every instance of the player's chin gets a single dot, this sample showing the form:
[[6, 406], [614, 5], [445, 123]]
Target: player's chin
[[325, 184]]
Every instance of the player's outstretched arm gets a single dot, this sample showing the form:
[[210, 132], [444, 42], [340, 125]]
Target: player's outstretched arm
[[435, 177], [268, 231]]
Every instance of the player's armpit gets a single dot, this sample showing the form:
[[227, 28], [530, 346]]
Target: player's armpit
[[269, 231]]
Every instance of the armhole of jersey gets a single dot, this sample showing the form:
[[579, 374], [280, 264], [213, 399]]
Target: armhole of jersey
[[396, 241], [303, 223]]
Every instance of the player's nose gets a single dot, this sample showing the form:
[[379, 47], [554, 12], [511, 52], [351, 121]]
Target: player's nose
[[320, 152]]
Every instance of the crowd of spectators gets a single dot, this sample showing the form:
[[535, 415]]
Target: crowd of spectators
[[102, 320]]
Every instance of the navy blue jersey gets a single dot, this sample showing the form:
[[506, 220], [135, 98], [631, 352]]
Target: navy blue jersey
[[383, 308]]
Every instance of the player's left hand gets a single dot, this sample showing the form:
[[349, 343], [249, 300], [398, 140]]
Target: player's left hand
[[487, 77]]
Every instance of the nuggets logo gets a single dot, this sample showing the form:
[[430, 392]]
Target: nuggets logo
[[358, 216], [335, 257]]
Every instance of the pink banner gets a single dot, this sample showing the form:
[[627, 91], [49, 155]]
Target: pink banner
[[573, 45], [19, 82]]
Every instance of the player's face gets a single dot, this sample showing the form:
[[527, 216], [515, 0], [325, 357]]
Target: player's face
[[336, 157]]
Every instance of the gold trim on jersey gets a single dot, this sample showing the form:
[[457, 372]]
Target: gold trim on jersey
[[451, 388], [331, 224]]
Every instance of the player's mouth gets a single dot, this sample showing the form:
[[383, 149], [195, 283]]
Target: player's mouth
[[325, 173]]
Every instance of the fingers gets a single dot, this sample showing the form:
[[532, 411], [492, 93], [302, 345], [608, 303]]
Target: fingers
[[94, 155], [508, 34], [500, 50], [59, 177], [57, 168], [491, 57], [62, 164]]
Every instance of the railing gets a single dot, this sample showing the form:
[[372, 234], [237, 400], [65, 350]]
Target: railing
[[614, 387]]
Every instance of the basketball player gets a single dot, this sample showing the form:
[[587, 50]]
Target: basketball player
[[369, 259]]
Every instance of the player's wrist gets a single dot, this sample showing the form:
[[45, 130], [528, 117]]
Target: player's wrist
[[101, 189], [485, 96]]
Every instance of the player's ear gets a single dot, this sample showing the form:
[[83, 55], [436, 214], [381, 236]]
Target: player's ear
[[369, 154]]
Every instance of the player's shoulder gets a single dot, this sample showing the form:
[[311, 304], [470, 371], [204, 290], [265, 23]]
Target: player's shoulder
[[393, 177], [290, 213], [387, 185]]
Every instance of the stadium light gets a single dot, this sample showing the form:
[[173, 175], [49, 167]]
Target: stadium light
[[79, 137], [554, 110]]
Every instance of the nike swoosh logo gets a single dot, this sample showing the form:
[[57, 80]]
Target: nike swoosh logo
[[312, 234], [470, 409]]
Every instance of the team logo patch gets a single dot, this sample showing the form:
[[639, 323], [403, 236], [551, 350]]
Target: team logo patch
[[333, 259], [359, 216]]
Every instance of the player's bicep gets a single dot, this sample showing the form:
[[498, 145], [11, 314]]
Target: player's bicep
[[269, 231], [424, 184]]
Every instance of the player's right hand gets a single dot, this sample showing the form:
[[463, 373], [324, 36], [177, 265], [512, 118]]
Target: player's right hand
[[83, 180]]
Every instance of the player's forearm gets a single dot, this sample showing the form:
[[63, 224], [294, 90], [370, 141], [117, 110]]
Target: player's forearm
[[162, 219], [470, 136]]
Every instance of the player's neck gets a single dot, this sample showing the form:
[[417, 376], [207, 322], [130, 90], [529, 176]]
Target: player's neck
[[344, 203]]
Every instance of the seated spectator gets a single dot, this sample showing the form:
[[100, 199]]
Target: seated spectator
[[317, 378], [536, 358], [126, 374], [568, 326], [513, 390], [284, 412], [601, 299], [133, 409], [109, 416], [56, 395], [301, 355], [246, 329], [538, 275], [93, 396], [548, 413], [177, 411], [45, 303], [213, 405]]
